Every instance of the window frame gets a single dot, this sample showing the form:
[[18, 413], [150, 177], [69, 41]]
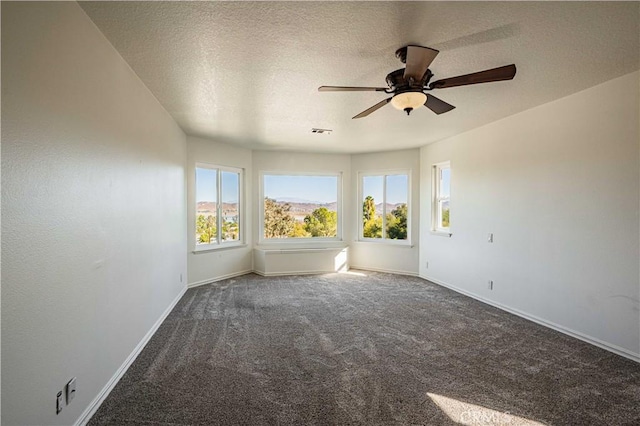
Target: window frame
[[219, 244], [437, 199], [384, 174], [299, 240]]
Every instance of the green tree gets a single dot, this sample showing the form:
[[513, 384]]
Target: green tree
[[322, 223], [373, 228], [397, 223], [278, 220], [299, 231], [368, 209], [445, 218], [372, 224], [230, 231], [206, 228]]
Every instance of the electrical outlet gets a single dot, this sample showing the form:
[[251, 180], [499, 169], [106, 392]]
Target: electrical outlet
[[71, 390], [59, 402], [180, 277], [490, 238], [490, 285], [427, 265]]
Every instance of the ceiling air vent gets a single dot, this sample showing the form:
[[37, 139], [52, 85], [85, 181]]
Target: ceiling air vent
[[327, 131]]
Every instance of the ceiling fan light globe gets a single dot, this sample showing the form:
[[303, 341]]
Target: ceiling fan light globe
[[411, 100]]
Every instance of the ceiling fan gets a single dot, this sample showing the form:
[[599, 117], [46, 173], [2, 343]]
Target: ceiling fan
[[408, 85]]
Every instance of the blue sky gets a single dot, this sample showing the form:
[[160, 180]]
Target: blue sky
[[206, 186], [396, 188], [321, 189], [445, 184]]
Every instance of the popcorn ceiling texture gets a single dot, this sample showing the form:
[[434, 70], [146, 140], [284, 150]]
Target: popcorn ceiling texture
[[370, 349], [248, 72]]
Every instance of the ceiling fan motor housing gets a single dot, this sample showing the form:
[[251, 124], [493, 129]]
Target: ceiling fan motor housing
[[398, 84]]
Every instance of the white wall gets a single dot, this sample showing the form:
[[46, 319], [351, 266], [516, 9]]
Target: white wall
[[93, 211], [382, 256], [276, 161], [209, 266], [558, 185]]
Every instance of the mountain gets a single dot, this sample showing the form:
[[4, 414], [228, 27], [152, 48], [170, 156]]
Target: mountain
[[210, 207], [389, 206], [308, 207], [296, 200], [301, 208]]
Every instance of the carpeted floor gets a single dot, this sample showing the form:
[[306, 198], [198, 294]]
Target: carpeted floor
[[370, 349]]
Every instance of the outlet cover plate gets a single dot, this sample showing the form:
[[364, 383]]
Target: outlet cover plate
[[71, 390], [59, 403]]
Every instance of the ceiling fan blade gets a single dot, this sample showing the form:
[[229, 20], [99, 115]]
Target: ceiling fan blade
[[437, 105], [418, 60], [350, 89], [506, 72], [373, 108]]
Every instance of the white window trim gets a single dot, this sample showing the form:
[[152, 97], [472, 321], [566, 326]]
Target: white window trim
[[309, 240], [221, 245], [384, 174], [436, 229]]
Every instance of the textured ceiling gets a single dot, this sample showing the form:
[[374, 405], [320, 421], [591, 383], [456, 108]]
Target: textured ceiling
[[248, 72]]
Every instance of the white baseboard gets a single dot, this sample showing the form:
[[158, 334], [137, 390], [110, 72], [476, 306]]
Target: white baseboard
[[285, 273], [578, 335], [388, 271], [220, 278], [98, 400]]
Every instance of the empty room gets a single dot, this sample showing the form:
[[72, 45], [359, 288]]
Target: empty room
[[291, 213]]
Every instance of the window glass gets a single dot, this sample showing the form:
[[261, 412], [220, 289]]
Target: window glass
[[385, 206], [298, 206], [442, 193], [396, 206], [372, 206], [230, 213], [217, 205], [206, 205], [445, 182]]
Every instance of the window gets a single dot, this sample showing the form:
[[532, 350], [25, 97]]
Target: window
[[385, 206], [218, 195], [300, 207], [441, 195]]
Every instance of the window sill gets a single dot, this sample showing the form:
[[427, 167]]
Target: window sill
[[208, 248], [302, 241], [301, 245], [391, 243], [442, 234]]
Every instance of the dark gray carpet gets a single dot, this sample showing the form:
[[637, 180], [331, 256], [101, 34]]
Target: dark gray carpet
[[374, 349]]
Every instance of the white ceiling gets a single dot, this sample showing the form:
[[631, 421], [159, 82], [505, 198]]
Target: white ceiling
[[247, 72]]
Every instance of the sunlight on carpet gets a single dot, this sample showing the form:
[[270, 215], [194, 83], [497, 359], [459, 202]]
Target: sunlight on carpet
[[464, 413], [357, 274]]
